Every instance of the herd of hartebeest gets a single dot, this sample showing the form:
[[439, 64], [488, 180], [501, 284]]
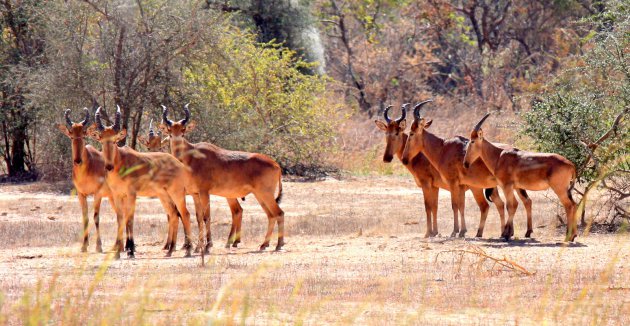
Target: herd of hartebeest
[[199, 170]]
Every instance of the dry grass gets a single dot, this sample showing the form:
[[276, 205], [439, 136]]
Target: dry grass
[[355, 254]]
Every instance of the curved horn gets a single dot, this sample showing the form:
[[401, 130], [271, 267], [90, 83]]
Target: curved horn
[[86, 121], [386, 114], [403, 115], [151, 132], [66, 114], [184, 121], [117, 119], [418, 107], [478, 125], [97, 119], [165, 116]]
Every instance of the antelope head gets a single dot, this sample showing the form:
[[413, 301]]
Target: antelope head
[[394, 132], [108, 136], [154, 141], [415, 141], [176, 129], [473, 149], [76, 131]]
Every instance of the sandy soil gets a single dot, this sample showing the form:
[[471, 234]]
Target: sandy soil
[[355, 253]]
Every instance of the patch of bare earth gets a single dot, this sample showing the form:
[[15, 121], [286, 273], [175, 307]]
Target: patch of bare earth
[[355, 253]]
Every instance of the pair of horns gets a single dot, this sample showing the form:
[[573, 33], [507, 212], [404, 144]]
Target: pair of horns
[[170, 122], [402, 116], [101, 126], [416, 111], [85, 121]]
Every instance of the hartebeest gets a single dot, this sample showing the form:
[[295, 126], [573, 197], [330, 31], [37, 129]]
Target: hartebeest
[[155, 142], [446, 156], [425, 175], [88, 174], [518, 169], [131, 174], [228, 174]]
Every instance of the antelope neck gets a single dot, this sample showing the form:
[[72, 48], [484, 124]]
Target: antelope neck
[[490, 154], [432, 147], [401, 149]]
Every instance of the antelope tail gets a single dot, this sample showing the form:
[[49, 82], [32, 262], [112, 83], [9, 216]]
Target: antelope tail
[[279, 198], [488, 193]]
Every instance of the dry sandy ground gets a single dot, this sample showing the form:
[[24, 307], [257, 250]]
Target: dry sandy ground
[[355, 253]]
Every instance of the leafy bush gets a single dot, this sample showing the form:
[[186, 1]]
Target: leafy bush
[[253, 97], [584, 113]]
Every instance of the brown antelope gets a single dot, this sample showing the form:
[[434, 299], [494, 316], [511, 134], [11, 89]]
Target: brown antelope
[[446, 156], [514, 168], [228, 174], [88, 174], [425, 175], [131, 174], [154, 142]]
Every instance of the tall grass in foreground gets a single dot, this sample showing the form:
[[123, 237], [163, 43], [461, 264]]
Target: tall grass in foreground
[[449, 288]]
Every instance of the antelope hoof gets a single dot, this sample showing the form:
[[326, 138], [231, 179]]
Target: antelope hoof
[[479, 234], [280, 244], [454, 233], [508, 232], [169, 253], [99, 247], [462, 233], [235, 244], [428, 234], [529, 233], [434, 234], [206, 250], [264, 246], [228, 245], [117, 255], [84, 248], [197, 249], [166, 246], [131, 255], [570, 238], [182, 248]]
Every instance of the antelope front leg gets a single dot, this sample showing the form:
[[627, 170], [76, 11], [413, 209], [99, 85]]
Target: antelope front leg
[[427, 209], [199, 212], [454, 205], [462, 207], [97, 210], [120, 212], [512, 205], [130, 204], [84, 217], [205, 204]]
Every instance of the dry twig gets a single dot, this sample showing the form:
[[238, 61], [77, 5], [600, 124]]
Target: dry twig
[[497, 264]]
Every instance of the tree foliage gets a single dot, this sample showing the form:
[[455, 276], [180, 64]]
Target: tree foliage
[[583, 113]]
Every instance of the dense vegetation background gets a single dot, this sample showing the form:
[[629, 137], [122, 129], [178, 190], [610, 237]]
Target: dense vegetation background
[[302, 80]]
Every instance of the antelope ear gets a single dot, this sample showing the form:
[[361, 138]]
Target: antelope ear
[[93, 133], [403, 125], [381, 125], [121, 135], [190, 127], [428, 124], [480, 134], [64, 130]]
